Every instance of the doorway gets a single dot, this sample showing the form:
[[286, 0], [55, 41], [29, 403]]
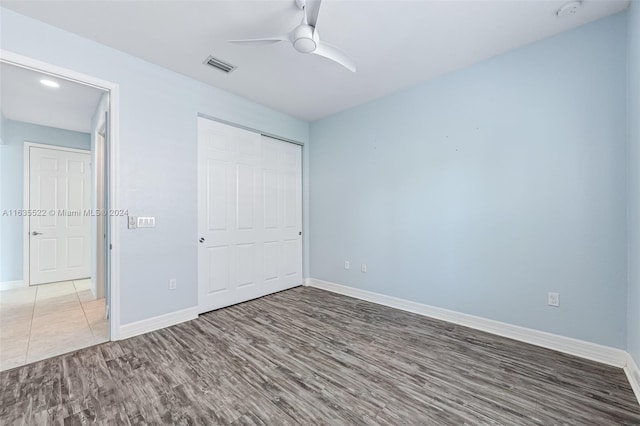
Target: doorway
[[54, 261]]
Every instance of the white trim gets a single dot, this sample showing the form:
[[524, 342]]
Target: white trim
[[592, 351], [26, 199], [250, 129], [26, 250], [114, 143], [99, 224], [11, 285], [114, 199], [54, 70], [156, 323], [633, 374]]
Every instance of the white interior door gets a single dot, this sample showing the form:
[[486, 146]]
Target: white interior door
[[249, 215], [60, 188]]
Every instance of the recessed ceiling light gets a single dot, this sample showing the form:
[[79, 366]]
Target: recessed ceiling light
[[49, 83]]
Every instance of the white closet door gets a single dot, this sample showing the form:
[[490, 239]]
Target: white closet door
[[282, 212], [249, 215]]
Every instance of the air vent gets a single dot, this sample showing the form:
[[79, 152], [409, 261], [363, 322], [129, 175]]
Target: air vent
[[218, 64]]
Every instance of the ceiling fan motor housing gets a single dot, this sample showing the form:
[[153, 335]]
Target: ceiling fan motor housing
[[305, 39]]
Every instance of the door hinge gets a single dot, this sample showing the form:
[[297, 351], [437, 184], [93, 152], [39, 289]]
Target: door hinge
[[110, 246]]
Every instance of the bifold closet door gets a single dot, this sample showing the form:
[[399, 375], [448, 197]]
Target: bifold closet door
[[249, 215]]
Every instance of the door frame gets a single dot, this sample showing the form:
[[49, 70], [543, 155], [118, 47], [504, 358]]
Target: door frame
[[99, 161], [113, 144], [26, 201]]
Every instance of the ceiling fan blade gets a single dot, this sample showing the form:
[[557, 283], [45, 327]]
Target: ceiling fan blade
[[312, 8], [265, 40], [330, 52]]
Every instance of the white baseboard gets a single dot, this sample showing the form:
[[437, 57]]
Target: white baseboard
[[592, 351], [11, 285], [156, 323], [633, 374]]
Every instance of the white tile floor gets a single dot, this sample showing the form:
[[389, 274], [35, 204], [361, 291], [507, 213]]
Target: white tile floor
[[42, 321]]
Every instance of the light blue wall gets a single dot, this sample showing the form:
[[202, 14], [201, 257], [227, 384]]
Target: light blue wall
[[2, 189], [14, 135], [157, 173], [633, 323], [2, 124], [483, 190]]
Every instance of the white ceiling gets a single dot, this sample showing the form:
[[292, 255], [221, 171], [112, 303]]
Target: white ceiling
[[22, 98], [395, 44]]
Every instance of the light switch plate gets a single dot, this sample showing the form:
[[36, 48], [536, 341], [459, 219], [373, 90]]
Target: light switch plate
[[146, 222]]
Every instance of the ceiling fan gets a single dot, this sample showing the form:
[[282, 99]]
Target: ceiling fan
[[305, 37]]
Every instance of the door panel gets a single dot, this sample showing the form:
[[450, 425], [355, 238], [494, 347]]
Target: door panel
[[270, 198], [59, 184], [217, 186], [76, 250], [47, 250], [246, 196], [219, 276], [249, 215], [246, 264], [271, 260]]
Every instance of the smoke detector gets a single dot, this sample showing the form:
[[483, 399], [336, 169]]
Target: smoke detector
[[569, 9]]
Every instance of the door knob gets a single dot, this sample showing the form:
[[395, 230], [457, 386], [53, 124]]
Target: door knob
[[36, 233]]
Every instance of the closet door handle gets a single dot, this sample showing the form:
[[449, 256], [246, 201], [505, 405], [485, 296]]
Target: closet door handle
[[36, 233]]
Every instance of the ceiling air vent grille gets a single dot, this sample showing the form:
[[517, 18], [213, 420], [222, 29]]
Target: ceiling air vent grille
[[219, 64]]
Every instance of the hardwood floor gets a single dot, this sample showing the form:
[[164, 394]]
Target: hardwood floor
[[306, 356]]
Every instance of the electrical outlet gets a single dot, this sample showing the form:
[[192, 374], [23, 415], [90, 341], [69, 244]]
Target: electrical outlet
[[553, 299], [172, 284], [347, 264], [363, 268]]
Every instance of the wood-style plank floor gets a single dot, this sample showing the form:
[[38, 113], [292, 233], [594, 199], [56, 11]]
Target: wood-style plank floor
[[306, 356]]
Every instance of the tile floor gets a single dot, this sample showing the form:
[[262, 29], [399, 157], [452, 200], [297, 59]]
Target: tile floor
[[42, 321]]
